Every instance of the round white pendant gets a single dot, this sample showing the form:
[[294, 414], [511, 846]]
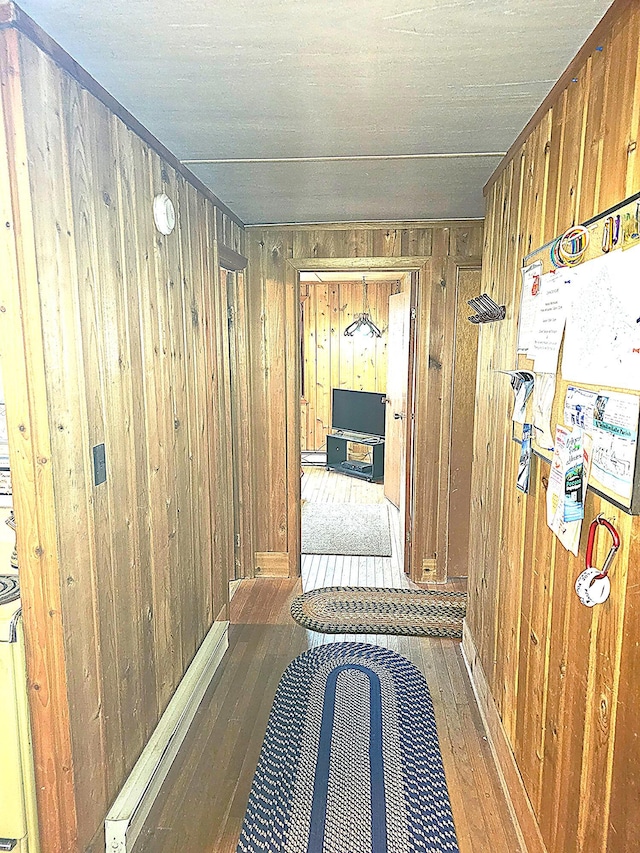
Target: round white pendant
[[164, 214]]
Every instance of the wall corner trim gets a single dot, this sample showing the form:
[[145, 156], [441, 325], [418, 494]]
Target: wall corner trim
[[133, 804], [519, 804]]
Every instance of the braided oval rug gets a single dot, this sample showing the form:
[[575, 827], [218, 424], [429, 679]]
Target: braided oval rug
[[371, 610], [350, 761]]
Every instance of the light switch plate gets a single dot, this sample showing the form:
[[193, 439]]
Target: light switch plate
[[99, 464]]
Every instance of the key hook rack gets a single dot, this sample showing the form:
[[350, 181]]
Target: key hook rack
[[487, 311]]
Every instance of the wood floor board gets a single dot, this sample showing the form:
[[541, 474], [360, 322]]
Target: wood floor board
[[202, 804]]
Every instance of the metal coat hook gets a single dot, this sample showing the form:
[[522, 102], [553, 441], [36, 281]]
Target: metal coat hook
[[487, 311]]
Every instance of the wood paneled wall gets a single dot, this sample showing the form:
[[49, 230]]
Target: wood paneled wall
[[331, 360], [564, 677], [110, 333], [276, 254]]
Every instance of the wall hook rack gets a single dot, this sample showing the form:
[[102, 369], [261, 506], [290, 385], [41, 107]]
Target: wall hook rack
[[487, 311]]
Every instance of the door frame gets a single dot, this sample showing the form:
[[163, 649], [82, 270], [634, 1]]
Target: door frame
[[434, 288], [401, 266]]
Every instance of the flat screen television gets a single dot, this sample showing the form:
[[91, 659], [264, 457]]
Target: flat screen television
[[358, 411]]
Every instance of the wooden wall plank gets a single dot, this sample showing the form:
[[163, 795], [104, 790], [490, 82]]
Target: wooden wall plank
[[335, 361], [32, 474], [275, 256], [91, 212], [123, 341], [222, 473], [556, 670]]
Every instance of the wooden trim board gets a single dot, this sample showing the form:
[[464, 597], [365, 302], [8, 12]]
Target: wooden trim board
[[133, 804], [519, 804], [367, 225], [399, 263], [229, 259]]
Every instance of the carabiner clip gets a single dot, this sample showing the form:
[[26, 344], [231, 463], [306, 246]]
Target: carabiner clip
[[599, 520], [607, 234]]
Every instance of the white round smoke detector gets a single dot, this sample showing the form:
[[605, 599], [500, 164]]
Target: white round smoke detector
[[164, 214]]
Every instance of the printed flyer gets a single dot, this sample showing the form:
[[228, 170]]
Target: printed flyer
[[567, 488]]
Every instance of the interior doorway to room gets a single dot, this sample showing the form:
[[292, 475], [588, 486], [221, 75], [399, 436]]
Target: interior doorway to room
[[347, 381]]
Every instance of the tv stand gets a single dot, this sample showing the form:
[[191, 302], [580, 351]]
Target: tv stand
[[337, 456]]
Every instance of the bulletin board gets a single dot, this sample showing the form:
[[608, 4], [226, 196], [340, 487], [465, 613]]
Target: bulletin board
[[599, 340]]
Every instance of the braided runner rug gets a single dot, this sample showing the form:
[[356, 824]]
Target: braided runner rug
[[350, 761], [370, 610]]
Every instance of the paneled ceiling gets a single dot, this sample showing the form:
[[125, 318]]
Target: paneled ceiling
[[329, 110]]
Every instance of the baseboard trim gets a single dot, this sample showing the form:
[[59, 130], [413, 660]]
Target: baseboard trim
[[272, 564], [133, 804], [519, 804]]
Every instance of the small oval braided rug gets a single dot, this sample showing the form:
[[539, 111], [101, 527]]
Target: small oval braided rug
[[350, 761], [371, 610]]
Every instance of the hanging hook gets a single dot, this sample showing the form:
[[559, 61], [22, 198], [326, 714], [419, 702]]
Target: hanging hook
[[601, 521]]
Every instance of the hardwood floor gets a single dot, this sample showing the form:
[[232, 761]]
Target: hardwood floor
[[202, 804]]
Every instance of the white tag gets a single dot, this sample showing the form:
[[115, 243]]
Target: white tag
[[591, 591]]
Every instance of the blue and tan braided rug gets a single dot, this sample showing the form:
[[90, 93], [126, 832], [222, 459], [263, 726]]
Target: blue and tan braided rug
[[350, 761], [372, 610]]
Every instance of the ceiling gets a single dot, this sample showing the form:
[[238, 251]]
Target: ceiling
[[346, 100]]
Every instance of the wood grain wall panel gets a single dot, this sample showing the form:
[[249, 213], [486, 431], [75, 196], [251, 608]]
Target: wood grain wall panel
[[30, 451], [622, 55], [98, 328], [244, 508], [275, 256], [216, 444], [292, 410], [132, 161], [625, 771], [560, 674], [124, 335], [222, 469], [569, 179], [335, 361]]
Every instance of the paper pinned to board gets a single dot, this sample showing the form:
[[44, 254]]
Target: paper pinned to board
[[524, 463], [570, 467], [602, 338], [549, 321], [578, 407], [615, 437], [531, 276], [522, 382], [544, 391]]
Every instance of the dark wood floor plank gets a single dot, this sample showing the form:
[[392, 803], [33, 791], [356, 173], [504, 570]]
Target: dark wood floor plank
[[202, 804]]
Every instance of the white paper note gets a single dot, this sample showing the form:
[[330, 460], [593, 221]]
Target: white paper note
[[543, 392], [602, 340], [530, 290], [550, 319]]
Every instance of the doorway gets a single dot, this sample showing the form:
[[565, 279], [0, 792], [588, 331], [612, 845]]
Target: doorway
[[355, 367]]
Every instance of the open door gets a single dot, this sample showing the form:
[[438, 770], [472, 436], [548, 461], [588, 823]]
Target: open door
[[399, 404]]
